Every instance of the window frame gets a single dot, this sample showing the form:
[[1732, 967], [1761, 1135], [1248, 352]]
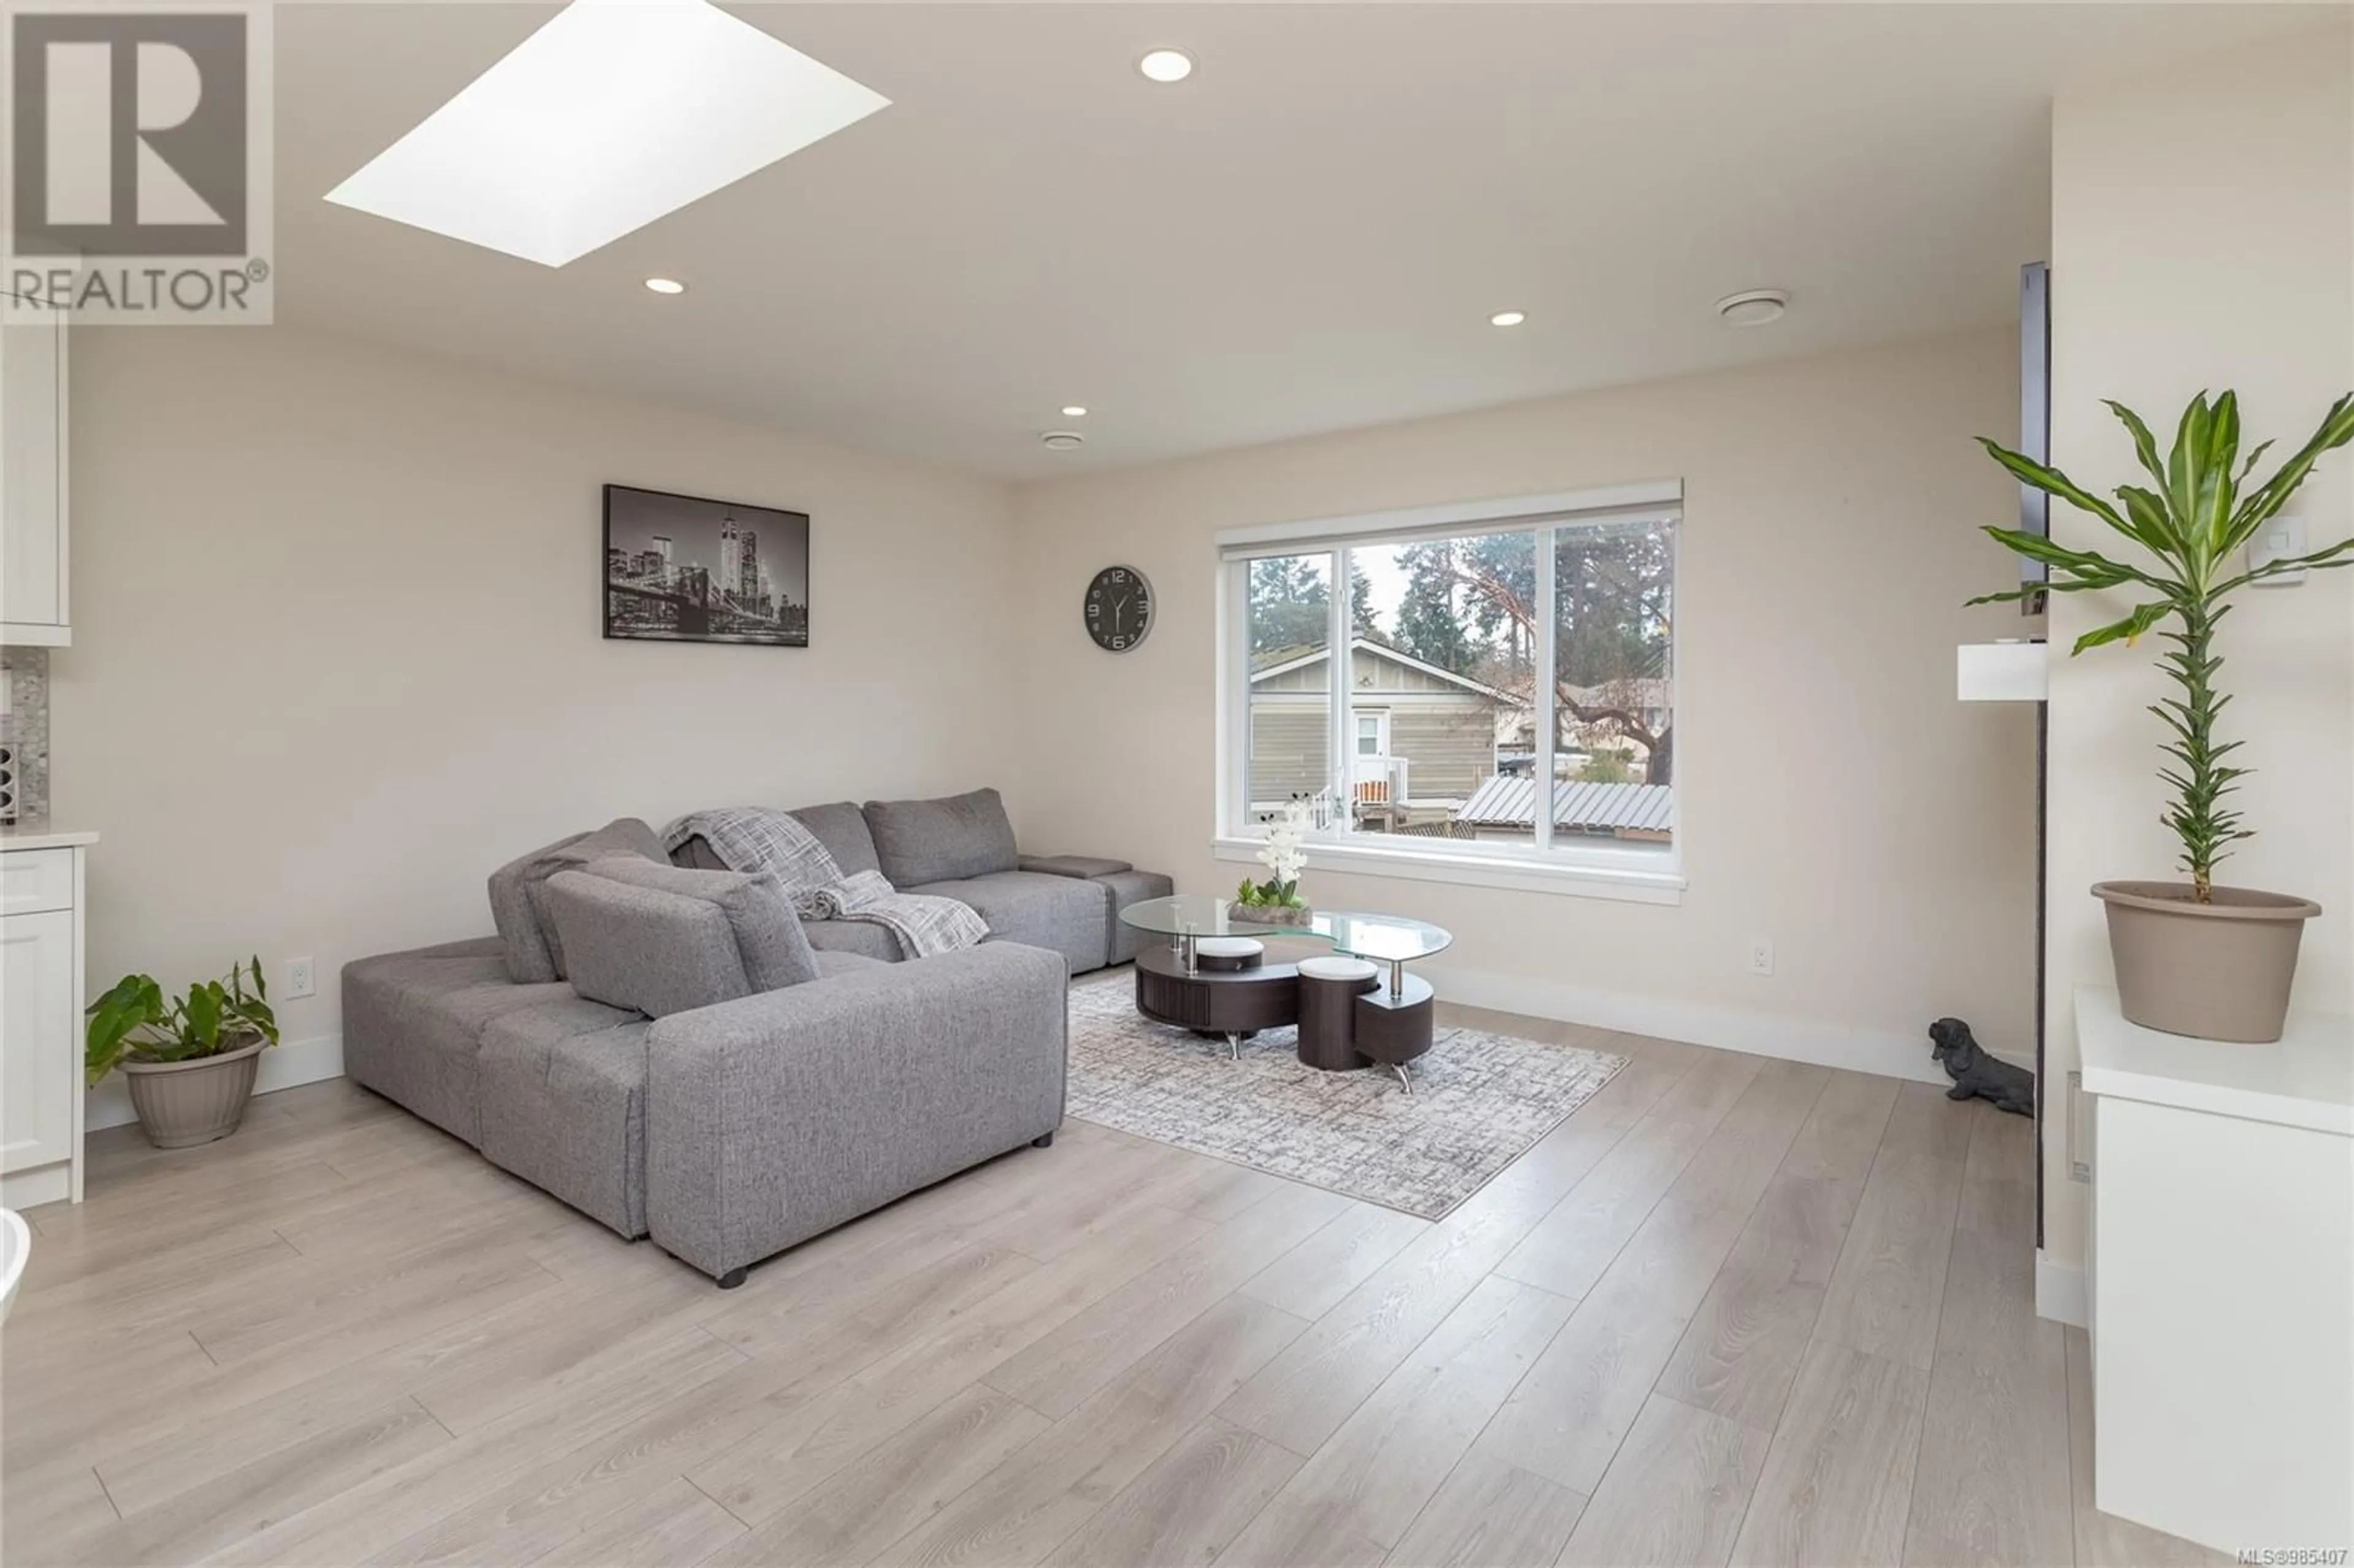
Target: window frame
[[1580, 867]]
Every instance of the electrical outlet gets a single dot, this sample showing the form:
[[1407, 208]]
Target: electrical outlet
[[1761, 956], [298, 980]]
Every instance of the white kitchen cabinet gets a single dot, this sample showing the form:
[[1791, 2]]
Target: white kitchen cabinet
[[41, 980], [33, 603]]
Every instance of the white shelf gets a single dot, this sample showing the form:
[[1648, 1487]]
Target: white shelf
[[2008, 671], [2305, 1080]]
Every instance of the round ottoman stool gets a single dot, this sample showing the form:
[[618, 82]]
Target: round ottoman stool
[[1329, 989], [1220, 954], [1394, 1027]]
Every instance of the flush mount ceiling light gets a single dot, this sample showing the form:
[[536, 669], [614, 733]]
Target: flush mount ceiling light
[[667, 285], [1757, 308], [1166, 65], [1508, 318], [1061, 440], [1074, 412], [614, 113]]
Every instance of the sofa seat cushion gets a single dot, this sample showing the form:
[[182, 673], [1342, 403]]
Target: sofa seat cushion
[[1060, 913], [1124, 941], [564, 1106], [1080, 865], [644, 949], [413, 1025], [832, 964], [861, 936], [767, 933], [919, 842], [534, 952]]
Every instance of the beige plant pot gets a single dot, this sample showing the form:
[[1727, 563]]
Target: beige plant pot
[[2219, 970], [182, 1104]]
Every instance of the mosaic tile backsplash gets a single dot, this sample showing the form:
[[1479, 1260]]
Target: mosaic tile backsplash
[[24, 734]]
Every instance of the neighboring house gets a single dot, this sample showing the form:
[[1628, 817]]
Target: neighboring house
[[1441, 724], [1507, 808]]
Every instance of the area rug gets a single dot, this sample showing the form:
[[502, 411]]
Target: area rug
[[1480, 1101]]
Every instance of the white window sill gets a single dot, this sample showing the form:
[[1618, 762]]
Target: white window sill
[[1522, 874]]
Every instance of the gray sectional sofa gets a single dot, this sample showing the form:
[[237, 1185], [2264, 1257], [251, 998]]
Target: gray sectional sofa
[[660, 1043]]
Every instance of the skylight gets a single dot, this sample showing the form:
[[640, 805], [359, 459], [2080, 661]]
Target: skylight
[[614, 113]]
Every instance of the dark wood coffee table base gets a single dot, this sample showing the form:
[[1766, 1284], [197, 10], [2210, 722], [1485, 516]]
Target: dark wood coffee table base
[[1235, 1004], [1230, 1004], [1394, 1030]]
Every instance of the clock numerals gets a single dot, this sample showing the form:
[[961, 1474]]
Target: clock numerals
[[1117, 609]]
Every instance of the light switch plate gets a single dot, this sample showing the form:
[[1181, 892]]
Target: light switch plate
[[2279, 539]]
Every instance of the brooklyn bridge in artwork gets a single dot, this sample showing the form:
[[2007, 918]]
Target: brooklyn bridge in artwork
[[683, 569]]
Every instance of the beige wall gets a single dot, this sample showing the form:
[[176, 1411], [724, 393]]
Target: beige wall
[[336, 648], [1838, 801], [2204, 237]]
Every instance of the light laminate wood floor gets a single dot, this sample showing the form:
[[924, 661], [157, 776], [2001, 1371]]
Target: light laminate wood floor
[[1733, 1310]]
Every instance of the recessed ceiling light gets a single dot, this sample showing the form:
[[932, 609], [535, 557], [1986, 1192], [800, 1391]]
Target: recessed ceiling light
[[1508, 318], [667, 285], [610, 116], [1167, 65], [1757, 308], [1075, 412], [1061, 440]]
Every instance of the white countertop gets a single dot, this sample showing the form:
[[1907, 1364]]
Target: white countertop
[[39, 833], [2305, 1080]]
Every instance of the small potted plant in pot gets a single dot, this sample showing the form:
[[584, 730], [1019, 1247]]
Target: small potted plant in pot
[[1276, 901], [2193, 958], [190, 1060]]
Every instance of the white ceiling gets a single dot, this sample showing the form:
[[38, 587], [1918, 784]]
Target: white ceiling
[[1308, 235]]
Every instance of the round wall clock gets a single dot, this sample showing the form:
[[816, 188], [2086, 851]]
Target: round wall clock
[[1118, 609]]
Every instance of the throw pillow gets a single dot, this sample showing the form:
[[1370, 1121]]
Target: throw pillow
[[774, 949], [643, 948], [534, 952]]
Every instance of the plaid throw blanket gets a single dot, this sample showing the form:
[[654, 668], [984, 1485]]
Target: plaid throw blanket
[[754, 838]]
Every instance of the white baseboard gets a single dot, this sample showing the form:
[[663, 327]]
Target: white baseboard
[[1697, 1023], [31, 1189], [2059, 1291], [283, 1067]]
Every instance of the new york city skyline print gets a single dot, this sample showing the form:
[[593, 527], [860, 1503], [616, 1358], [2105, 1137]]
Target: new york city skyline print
[[679, 568]]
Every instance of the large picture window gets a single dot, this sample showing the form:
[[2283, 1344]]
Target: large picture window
[[1492, 684]]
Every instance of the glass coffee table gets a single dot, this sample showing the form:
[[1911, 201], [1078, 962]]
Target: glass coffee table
[[1235, 996]]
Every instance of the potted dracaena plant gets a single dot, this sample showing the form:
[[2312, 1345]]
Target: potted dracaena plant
[[2193, 958], [190, 1060]]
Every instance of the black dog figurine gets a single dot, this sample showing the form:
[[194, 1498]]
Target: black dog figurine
[[1975, 1073]]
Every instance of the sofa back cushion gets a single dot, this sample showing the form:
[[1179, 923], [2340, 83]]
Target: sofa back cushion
[[948, 840], [528, 935], [841, 827], [769, 937]]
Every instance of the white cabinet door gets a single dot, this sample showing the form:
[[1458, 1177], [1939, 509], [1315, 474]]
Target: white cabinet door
[[32, 474], [38, 1042]]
